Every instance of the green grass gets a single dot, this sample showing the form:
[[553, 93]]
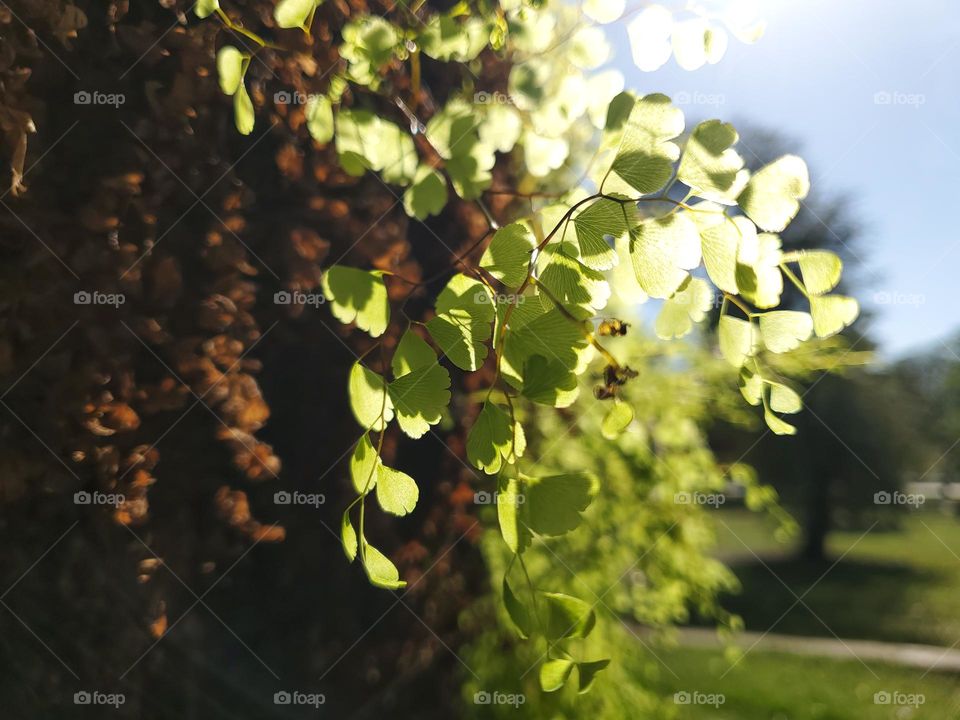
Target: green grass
[[895, 585], [772, 686]]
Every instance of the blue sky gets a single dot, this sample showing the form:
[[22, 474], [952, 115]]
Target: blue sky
[[814, 76]]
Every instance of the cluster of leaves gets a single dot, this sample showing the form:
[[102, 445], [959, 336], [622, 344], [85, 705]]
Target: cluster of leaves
[[638, 556], [645, 212]]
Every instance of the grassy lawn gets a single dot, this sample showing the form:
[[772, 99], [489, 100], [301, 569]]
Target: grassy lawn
[[770, 686], [899, 585]]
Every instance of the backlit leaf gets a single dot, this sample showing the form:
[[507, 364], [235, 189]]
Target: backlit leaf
[[463, 323], [554, 503], [320, 118], [397, 492], [380, 571], [832, 313], [616, 420], [567, 616], [419, 398], [663, 249], [357, 296], [784, 330], [294, 13], [231, 64], [821, 270], [772, 196], [369, 399], [427, 195], [686, 306], [710, 165], [507, 257], [554, 674]]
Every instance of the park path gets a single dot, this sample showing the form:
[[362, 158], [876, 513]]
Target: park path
[[922, 657]]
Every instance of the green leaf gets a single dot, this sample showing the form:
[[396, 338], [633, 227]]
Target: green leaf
[[588, 671], [832, 313], [427, 195], [463, 323], [363, 466], [784, 399], [616, 421], [778, 426], [243, 113], [549, 382], [206, 8], [736, 340], [397, 492], [294, 13], [320, 118], [686, 306], [568, 617], [758, 272], [710, 166], [491, 439], [663, 249], [348, 536], [369, 399], [554, 503], [419, 398], [357, 296], [821, 270], [369, 43], [507, 257], [645, 159], [534, 330], [603, 219], [784, 330], [771, 198], [412, 353], [454, 132], [579, 289], [380, 571], [518, 613], [231, 65], [751, 386], [510, 515], [554, 674], [367, 142], [720, 238], [444, 38]]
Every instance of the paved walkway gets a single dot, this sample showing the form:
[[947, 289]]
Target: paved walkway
[[923, 657]]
